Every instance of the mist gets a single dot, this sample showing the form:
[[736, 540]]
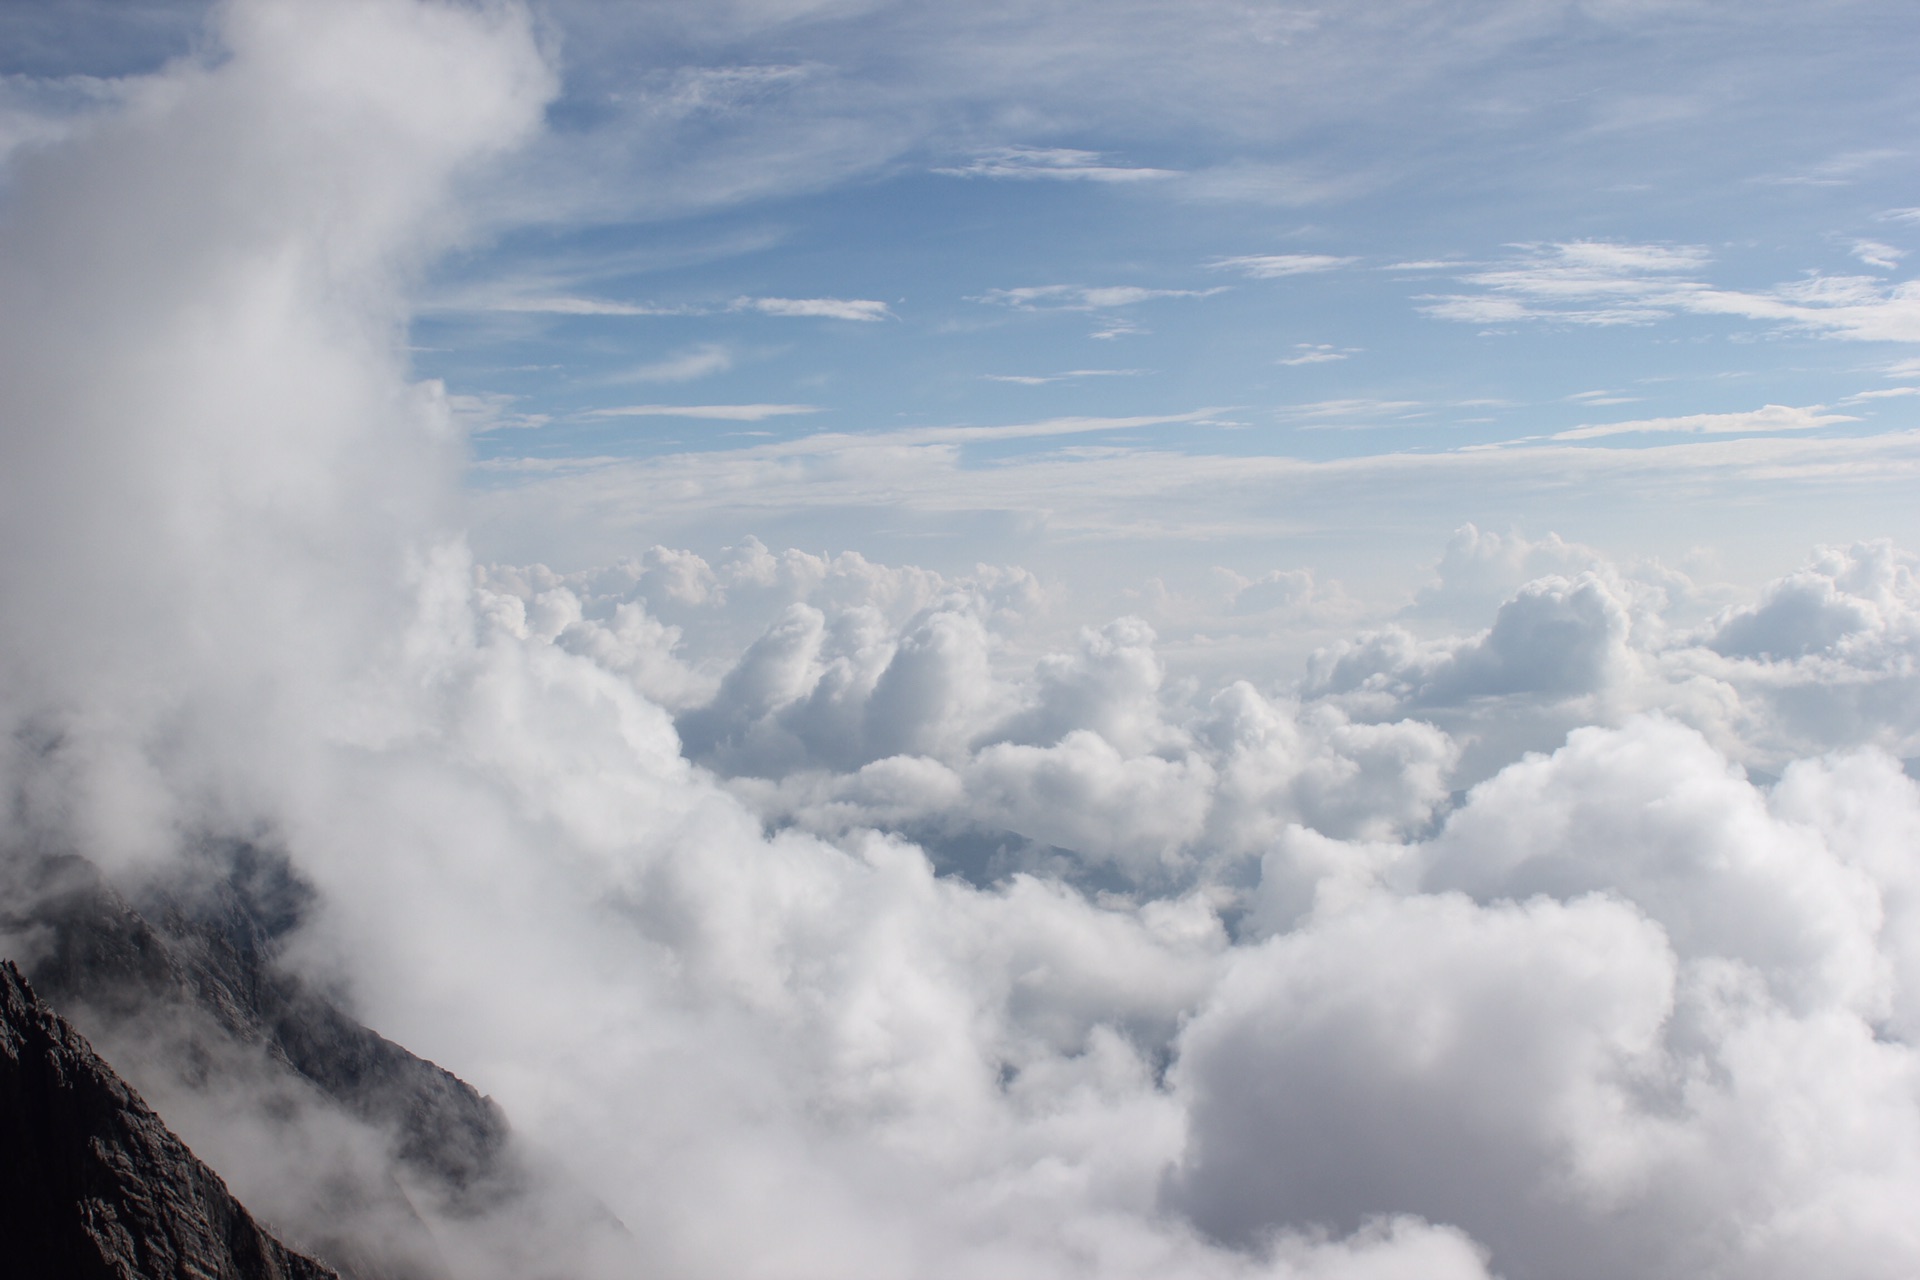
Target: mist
[[815, 912]]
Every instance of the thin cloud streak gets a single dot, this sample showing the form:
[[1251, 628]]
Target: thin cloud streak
[[1773, 417], [1059, 164], [1603, 283], [1077, 297], [861, 309], [720, 412], [1276, 266]]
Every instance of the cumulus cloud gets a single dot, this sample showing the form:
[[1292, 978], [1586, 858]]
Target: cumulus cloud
[[826, 915], [1582, 1042]]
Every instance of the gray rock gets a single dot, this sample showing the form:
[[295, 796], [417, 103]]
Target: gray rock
[[92, 1184], [203, 943]]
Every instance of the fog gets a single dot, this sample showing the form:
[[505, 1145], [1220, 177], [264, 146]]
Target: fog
[[825, 915]]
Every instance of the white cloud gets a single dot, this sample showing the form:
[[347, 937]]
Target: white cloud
[[1223, 991], [720, 412], [1057, 163], [1275, 266], [496, 412], [683, 366], [1876, 254], [822, 308], [1353, 412], [1606, 283], [1316, 353], [1076, 297], [1773, 417], [1041, 380], [571, 306]]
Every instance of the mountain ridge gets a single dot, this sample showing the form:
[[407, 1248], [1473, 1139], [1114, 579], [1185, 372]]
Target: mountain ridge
[[92, 1182]]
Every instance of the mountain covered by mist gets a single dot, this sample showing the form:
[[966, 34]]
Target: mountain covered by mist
[[1528, 906], [183, 983], [92, 1184]]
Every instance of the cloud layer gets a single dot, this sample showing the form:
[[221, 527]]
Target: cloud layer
[[825, 915]]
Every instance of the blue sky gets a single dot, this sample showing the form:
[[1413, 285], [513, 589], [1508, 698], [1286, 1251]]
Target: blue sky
[[1346, 240], [1262, 233], [1267, 232]]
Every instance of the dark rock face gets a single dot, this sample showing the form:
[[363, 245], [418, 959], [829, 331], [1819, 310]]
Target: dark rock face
[[92, 1184], [366, 1156], [205, 942], [183, 990]]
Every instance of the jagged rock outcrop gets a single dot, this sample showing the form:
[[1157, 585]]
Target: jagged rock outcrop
[[365, 1155], [205, 941], [92, 1184], [185, 992]]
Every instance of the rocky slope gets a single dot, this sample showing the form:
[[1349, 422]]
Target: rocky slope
[[92, 1184], [195, 957], [365, 1155]]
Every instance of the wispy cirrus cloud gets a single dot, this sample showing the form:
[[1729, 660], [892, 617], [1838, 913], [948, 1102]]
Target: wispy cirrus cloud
[[1579, 282], [479, 413], [1773, 417], [1317, 353], [682, 366], [1079, 297], [1041, 380], [569, 305], [1078, 424], [1840, 171], [817, 308], [578, 305], [1876, 254], [1274, 266], [1353, 412], [1589, 282], [1059, 164], [719, 412]]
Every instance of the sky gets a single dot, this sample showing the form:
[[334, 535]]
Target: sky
[[1022, 639]]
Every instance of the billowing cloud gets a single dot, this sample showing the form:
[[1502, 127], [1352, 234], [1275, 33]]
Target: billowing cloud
[[821, 914]]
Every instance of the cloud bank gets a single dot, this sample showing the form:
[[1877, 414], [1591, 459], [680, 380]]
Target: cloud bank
[[826, 915]]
